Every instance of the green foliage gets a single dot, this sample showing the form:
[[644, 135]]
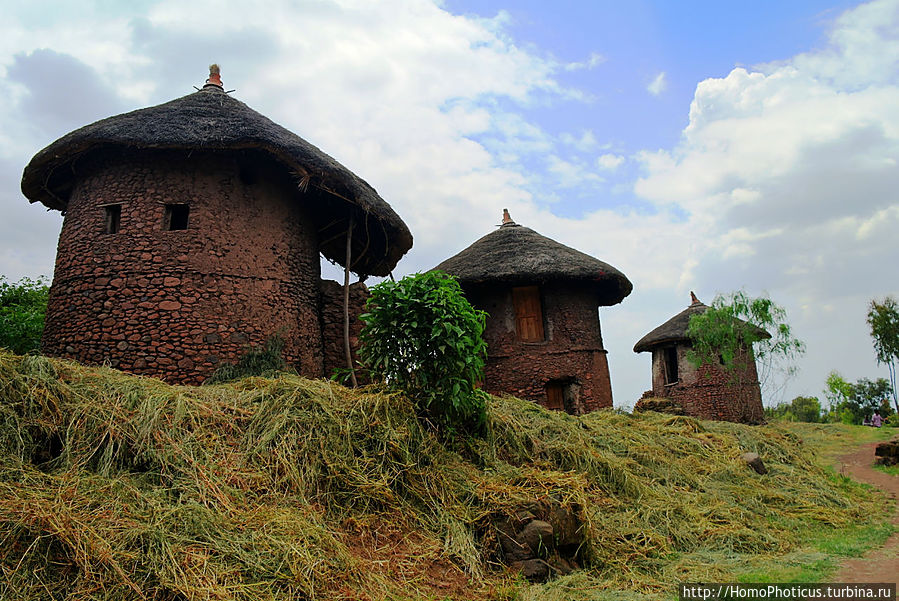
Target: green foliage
[[265, 362], [735, 331], [883, 319], [851, 403], [22, 309], [422, 336], [801, 409]]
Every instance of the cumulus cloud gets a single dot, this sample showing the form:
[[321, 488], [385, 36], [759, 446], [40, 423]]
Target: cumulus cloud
[[658, 84], [787, 174], [609, 161]]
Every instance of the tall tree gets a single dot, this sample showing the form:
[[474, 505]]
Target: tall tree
[[883, 318], [737, 329]]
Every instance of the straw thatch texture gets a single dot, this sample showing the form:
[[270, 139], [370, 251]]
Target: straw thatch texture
[[115, 487], [210, 120], [675, 329], [516, 254]]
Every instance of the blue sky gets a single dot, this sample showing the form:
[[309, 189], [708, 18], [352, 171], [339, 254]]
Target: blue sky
[[707, 146]]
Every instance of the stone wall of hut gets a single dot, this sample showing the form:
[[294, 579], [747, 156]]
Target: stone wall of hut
[[332, 318], [176, 304], [571, 355], [709, 392]]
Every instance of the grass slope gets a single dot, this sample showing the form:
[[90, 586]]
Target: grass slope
[[118, 487]]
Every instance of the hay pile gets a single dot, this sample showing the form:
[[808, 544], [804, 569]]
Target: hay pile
[[117, 487]]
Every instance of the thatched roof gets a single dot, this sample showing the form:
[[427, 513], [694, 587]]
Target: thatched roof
[[518, 255], [675, 329], [211, 120]]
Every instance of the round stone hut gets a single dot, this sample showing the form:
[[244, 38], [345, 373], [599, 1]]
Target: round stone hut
[[707, 392], [193, 230], [543, 335]]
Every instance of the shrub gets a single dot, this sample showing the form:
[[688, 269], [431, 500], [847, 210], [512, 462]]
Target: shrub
[[422, 336], [22, 309]]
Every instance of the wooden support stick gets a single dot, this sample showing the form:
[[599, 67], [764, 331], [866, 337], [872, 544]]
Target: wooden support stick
[[346, 303]]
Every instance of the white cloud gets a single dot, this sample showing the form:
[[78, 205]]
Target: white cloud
[[585, 142], [786, 174], [571, 174], [658, 84], [592, 61], [395, 90], [609, 161]]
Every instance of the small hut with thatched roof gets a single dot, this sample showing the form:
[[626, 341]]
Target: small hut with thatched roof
[[193, 229], [543, 336], [707, 392]]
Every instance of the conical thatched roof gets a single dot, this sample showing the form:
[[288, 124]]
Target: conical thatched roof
[[518, 255], [675, 329], [211, 120]]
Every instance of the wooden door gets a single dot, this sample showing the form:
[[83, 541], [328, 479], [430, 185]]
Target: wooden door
[[555, 396]]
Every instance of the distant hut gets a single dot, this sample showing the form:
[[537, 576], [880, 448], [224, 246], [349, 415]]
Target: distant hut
[[543, 335], [193, 229], [708, 392]]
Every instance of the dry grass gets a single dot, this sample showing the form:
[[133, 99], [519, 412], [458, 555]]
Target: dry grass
[[117, 487]]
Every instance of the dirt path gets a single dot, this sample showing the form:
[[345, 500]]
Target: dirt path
[[879, 565]]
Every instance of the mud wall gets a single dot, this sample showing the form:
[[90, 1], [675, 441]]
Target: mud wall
[[571, 354], [176, 304]]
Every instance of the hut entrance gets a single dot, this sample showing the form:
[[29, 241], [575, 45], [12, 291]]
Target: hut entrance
[[669, 356], [564, 395]]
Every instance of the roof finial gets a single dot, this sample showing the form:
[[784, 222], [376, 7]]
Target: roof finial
[[215, 77], [693, 299], [507, 219]]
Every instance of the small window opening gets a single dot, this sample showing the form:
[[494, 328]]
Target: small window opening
[[528, 313], [113, 219], [176, 217], [670, 358]]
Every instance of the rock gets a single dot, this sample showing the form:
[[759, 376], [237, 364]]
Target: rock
[[169, 305], [887, 453], [514, 550], [535, 570], [560, 565], [661, 405], [755, 462], [537, 535], [566, 525]]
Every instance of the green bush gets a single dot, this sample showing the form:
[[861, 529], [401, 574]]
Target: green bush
[[22, 309], [422, 336]]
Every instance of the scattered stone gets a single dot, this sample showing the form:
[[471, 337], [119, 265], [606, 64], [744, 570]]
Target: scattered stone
[[887, 453], [755, 462], [541, 538], [535, 570], [658, 404], [537, 535]]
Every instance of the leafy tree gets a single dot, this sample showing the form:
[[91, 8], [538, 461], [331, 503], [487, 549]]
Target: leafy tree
[[422, 336], [883, 318], [22, 309], [800, 409], [806, 409], [734, 332], [851, 402]]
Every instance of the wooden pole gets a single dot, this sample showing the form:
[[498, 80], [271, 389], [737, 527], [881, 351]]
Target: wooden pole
[[346, 304]]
